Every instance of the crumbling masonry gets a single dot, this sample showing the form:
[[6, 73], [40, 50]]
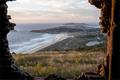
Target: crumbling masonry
[[110, 24], [8, 70]]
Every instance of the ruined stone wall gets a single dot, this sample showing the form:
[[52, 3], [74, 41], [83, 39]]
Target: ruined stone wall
[[8, 70], [110, 24], [5, 27]]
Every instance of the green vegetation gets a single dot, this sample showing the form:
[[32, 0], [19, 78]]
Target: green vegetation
[[67, 64]]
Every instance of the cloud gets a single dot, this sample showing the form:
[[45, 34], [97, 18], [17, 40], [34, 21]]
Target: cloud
[[52, 10]]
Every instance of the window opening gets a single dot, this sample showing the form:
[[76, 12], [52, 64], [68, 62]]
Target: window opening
[[65, 44]]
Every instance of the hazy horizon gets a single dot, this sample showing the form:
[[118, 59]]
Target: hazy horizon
[[52, 11]]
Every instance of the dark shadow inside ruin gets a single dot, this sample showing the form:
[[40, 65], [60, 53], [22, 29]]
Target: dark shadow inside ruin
[[110, 25]]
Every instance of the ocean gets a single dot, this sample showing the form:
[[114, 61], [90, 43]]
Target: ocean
[[22, 40]]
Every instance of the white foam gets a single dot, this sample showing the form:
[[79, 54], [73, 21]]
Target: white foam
[[92, 43], [36, 44]]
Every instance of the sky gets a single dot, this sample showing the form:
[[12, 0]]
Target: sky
[[52, 11]]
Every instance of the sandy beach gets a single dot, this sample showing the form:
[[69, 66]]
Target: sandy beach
[[75, 43]]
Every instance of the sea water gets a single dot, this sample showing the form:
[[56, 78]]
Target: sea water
[[22, 40]]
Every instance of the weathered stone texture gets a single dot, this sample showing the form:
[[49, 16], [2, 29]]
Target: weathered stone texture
[[8, 70]]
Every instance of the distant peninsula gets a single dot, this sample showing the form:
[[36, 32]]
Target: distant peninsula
[[82, 34], [69, 28]]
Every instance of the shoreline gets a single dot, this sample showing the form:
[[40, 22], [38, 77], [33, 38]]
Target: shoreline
[[54, 39], [69, 36], [67, 42], [76, 43]]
